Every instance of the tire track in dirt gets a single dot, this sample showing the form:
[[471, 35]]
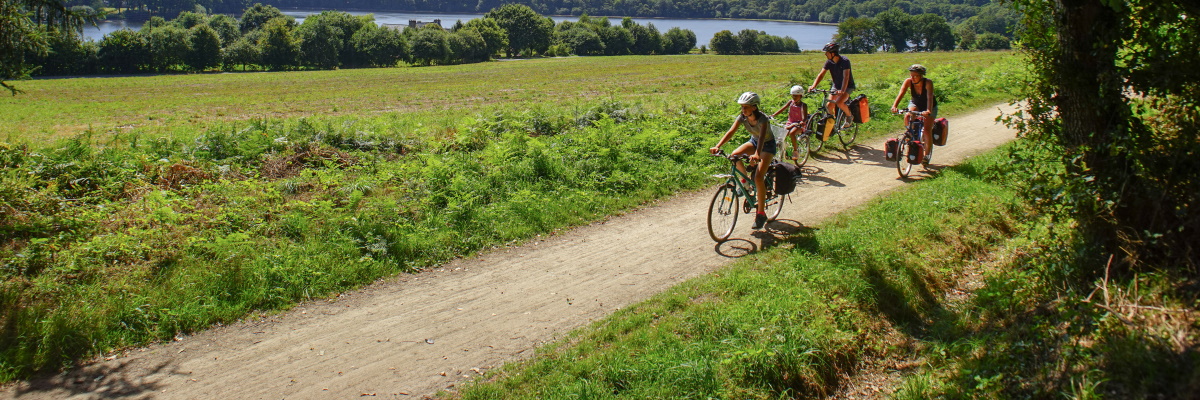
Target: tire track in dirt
[[413, 335]]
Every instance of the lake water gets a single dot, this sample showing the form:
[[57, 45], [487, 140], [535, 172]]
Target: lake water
[[808, 36]]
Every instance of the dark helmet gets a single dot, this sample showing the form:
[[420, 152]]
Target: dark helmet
[[917, 68], [832, 48]]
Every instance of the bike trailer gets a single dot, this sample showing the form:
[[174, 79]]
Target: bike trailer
[[915, 150], [941, 128], [860, 110], [890, 148], [785, 177]]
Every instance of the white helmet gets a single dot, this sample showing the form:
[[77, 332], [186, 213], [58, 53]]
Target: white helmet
[[798, 90], [748, 98]]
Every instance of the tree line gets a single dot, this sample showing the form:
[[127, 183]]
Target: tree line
[[896, 30], [830, 11], [265, 39]]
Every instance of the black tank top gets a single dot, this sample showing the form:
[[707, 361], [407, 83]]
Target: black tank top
[[921, 100]]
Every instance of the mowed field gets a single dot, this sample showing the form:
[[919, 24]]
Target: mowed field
[[57, 108]]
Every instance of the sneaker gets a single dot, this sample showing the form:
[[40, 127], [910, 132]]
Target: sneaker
[[760, 221]]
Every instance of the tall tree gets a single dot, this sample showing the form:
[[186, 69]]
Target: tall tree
[[1116, 96], [204, 48], [24, 27], [280, 48], [527, 30], [858, 35], [895, 28]]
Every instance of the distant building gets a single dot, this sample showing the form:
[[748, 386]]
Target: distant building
[[412, 23]]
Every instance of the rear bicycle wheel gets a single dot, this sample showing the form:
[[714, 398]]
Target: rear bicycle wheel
[[723, 212], [849, 132], [902, 165], [814, 135]]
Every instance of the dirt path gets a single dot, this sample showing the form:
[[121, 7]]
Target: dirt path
[[413, 335]]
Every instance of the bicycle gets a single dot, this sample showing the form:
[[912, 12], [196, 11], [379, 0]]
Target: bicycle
[[800, 153], [843, 127], [736, 196], [904, 160]]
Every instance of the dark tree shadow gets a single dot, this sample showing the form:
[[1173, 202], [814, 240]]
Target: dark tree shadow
[[98, 381]]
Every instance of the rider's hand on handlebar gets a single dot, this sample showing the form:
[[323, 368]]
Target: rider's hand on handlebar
[[754, 158], [895, 110], [714, 150]]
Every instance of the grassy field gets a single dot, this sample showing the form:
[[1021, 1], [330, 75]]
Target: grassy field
[[198, 199], [186, 104]]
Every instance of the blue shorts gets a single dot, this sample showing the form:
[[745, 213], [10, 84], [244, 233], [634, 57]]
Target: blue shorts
[[769, 147]]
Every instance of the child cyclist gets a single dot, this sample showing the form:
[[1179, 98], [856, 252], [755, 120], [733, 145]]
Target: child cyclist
[[761, 147], [922, 101], [797, 114]]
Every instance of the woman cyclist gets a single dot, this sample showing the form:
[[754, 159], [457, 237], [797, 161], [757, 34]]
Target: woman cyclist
[[922, 101], [843, 80], [761, 147]]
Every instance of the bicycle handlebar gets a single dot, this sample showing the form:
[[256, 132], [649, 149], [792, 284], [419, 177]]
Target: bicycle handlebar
[[721, 153]]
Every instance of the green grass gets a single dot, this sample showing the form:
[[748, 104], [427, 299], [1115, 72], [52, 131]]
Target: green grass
[[183, 104], [118, 237], [789, 322], [870, 287]]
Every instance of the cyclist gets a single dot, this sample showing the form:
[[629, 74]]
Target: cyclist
[[843, 80], [761, 148], [922, 101], [797, 113]]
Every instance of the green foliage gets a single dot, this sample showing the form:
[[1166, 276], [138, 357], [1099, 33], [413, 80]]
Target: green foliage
[[678, 41], [494, 37], [895, 28], [378, 47], [279, 46], [430, 45], [204, 48], [226, 27], [321, 42], [257, 16], [168, 45], [124, 51], [189, 19], [724, 42], [527, 31], [858, 35], [243, 52], [991, 41], [930, 32], [1130, 177]]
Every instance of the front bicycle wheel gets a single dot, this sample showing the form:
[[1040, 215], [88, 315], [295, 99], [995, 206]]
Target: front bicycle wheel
[[723, 212], [902, 165]]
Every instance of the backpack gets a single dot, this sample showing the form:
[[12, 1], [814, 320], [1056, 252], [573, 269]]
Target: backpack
[[941, 129], [860, 110], [785, 177]]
